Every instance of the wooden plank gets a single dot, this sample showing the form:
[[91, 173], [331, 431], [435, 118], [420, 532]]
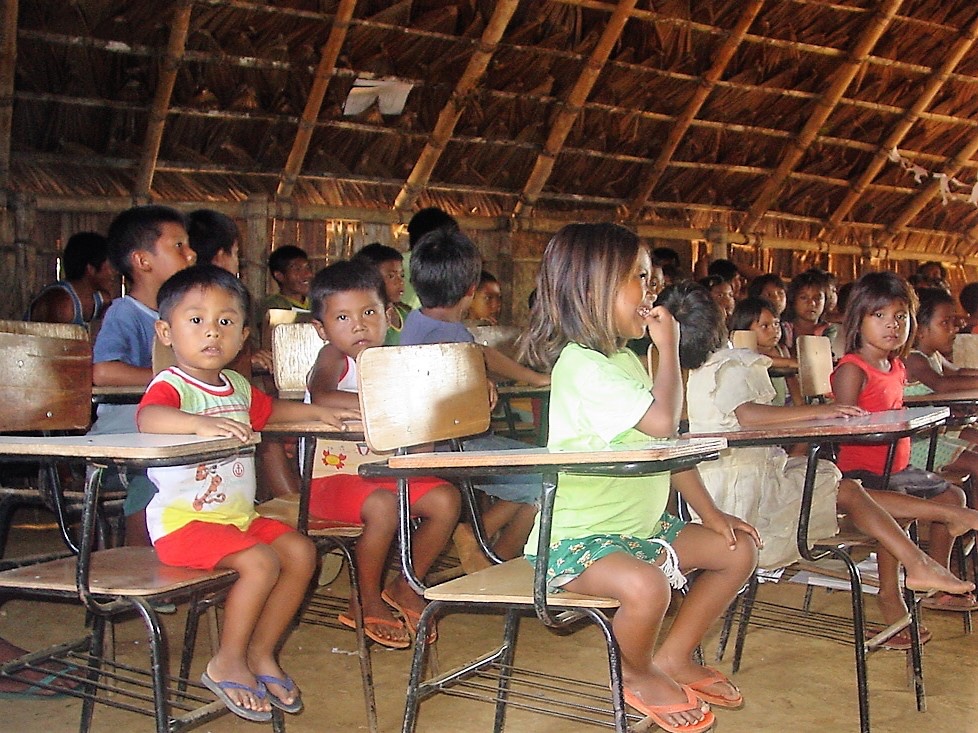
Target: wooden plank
[[123, 446]]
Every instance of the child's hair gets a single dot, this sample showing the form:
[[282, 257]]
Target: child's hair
[[137, 229], [445, 265], [929, 299], [663, 256], [83, 249], [279, 260], [711, 281], [377, 254], [200, 277], [757, 285], [701, 322], [807, 279], [747, 311], [933, 263], [342, 277], [871, 292], [486, 277], [724, 269], [582, 268], [843, 296], [428, 220], [969, 298], [211, 232]]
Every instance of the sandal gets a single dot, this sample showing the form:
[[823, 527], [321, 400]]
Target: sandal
[[411, 617], [369, 621], [963, 603], [712, 677], [655, 712]]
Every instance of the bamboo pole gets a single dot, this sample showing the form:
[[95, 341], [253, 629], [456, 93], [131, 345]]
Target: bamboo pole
[[452, 111], [935, 83], [681, 124], [571, 108], [8, 68], [317, 92], [823, 108], [161, 100]]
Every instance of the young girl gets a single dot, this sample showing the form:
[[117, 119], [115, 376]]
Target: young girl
[[592, 296], [770, 287], [722, 293], [758, 316], [806, 304], [879, 325], [730, 389]]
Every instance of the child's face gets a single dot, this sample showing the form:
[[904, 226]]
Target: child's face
[[170, 253], [206, 330], [723, 296], [632, 297], [809, 303], [295, 278], [775, 294], [352, 321], [487, 303], [393, 273], [831, 296], [657, 281], [885, 330], [938, 334], [767, 327], [229, 261]]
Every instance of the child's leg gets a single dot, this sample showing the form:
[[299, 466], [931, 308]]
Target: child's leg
[[939, 538], [723, 573], [512, 537], [278, 475], [644, 595]]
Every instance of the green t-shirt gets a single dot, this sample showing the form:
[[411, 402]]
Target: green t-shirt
[[595, 402]]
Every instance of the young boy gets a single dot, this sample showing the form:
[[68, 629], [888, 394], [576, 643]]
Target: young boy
[[445, 267], [348, 303], [203, 516], [390, 263], [487, 301], [146, 244], [88, 278], [290, 269]]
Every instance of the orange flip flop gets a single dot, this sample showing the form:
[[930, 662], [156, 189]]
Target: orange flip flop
[[411, 617], [712, 677], [657, 711], [369, 621]]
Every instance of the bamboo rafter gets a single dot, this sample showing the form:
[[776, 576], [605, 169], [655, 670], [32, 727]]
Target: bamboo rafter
[[317, 92], [450, 113], [8, 66], [841, 79]]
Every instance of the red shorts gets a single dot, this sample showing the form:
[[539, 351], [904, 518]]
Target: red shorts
[[203, 545], [340, 497]]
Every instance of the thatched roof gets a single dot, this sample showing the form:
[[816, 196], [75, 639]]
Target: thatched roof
[[791, 121]]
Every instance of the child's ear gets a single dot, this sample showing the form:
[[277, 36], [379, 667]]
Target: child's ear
[[163, 332], [320, 329], [278, 277], [245, 333], [470, 293], [140, 260]]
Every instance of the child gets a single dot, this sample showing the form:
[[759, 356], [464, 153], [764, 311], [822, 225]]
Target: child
[[968, 297], [608, 533], [290, 269], [348, 313], [390, 263], [203, 515], [879, 326], [487, 301], [215, 238], [806, 304], [147, 244], [88, 279], [722, 293], [426, 220], [771, 288], [445, 270], [758, 316], [730, 389]]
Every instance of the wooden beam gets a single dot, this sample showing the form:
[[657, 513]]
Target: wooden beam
[[682, 123], [571, 108], [317, 92], [8, 67], [959, 49], [452, 111], [161, 100], [824, 106]]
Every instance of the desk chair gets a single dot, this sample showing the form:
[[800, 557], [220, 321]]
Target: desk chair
[[440, 394], [744, 340], [815, 367], [295, 347]]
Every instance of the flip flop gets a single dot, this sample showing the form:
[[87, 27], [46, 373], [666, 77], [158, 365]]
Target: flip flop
[[657, 711], [411, 617], [288, 684], [962, 603], [45, 687], [218, 688], [369, 621], [712, 677], [900, 641]]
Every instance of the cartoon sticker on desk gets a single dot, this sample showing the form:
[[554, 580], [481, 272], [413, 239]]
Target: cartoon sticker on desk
[[334, 457]]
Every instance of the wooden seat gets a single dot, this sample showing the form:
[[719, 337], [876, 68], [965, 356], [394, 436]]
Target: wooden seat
[[815, 367], [744, 340], [295, 347]]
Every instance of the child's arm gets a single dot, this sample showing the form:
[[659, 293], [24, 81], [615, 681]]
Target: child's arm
[[293, 411], [754, 415], [920, 370], [661, 420], [120, 374], [690, 485], [848, 381], [164, 419], [498, 363], [325, 377]]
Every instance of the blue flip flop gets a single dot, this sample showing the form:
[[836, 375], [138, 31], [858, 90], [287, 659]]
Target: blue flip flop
[[289, 684], [42, 689], [218, 688]]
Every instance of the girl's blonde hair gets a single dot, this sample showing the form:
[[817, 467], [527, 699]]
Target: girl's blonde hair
[[581, 270], [871, 292]]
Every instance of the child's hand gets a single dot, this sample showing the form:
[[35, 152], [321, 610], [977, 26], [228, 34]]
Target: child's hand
[[663, 329], [262, 360], [837, 410], [726, 525], [221, 427], [493, 394], [334, 416]]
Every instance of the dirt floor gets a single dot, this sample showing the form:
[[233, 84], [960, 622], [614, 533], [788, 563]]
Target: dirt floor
[[791, 683]]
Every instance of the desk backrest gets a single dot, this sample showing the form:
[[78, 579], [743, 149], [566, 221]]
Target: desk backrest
[[410, 395], [295, 347], [744, 340], [814, 366], [965, 351], [45, 380]]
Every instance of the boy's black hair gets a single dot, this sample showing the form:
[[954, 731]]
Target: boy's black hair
[[724, 269], [969, 298], [933, 263], [211, 232], [428, 220], [930, 298], [663, 256], [280, 258], [377, 254], [711, 281], [200, 277], [757, 285], [137, 229], [445, 265], [83, 249], [343, 276], [486, 277], [747, 311], [701, 322]]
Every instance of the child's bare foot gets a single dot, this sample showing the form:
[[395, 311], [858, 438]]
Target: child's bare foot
[[961, 520], [658, 690], [926, 574], [237, 687], [379, 624], [409, 604], [709, 684], [282, 690]]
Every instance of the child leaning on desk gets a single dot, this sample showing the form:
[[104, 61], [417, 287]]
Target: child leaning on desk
[[349, 313], [203, 515], [729, 389], [879, 326], [611, 536]]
